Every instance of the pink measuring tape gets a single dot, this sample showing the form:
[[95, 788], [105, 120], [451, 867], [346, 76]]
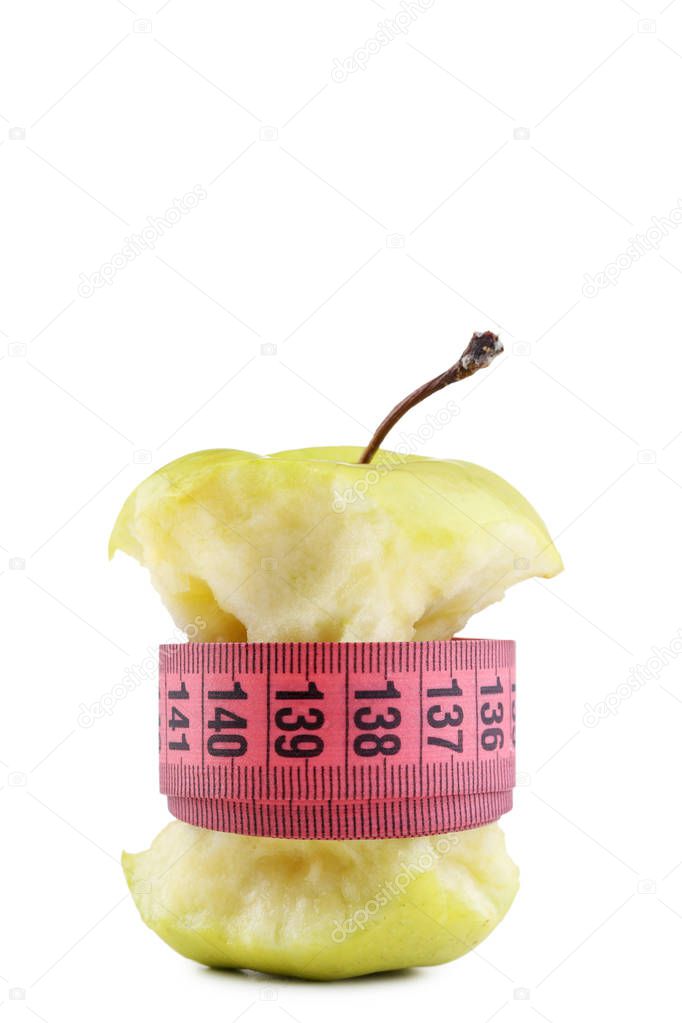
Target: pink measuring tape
[[338, 740]]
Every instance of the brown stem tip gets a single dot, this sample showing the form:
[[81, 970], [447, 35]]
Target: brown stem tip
[[478, 354]]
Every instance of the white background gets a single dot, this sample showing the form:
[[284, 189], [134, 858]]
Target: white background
[[364, 228]]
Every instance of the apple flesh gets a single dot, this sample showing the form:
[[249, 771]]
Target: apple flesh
[[322, 910], [309, 546]]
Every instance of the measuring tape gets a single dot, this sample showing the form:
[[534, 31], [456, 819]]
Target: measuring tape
[[338, 740]]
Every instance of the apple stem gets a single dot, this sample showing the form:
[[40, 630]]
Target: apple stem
[[479, 353]]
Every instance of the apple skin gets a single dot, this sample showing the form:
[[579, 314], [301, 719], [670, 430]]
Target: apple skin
[[322, 910], [309, 545]]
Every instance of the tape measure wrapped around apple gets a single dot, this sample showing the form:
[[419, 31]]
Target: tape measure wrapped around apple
[[298, 566]]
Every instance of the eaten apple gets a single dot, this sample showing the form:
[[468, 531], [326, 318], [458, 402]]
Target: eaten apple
[[335, 544]]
